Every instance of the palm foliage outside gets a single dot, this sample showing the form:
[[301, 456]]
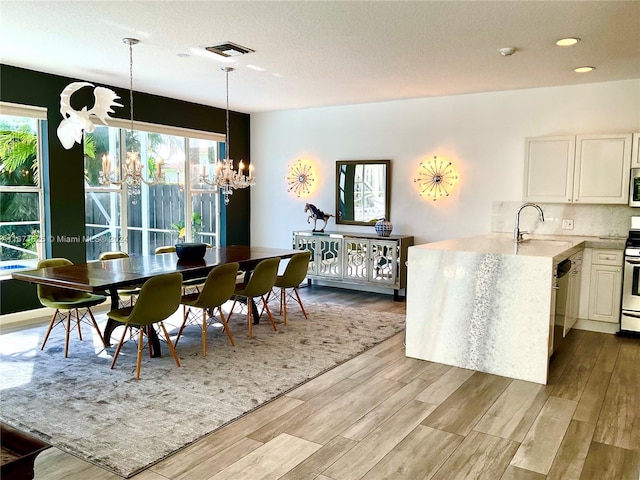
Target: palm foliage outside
[[18, 168]]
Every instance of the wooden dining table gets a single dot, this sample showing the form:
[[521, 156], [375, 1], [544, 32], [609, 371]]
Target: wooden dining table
[[108, 276]]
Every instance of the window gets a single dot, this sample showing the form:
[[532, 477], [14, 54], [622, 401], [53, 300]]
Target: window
[[21, 199], [118, 218]]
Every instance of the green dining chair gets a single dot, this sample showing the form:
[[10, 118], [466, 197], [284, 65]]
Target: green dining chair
[[130, 293], [217, 289], [165, 249], [193, 283], [66, 302], [293, 275], [262, 280], [159, 298]]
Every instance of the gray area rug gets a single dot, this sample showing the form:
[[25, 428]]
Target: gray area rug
[[108, 418]]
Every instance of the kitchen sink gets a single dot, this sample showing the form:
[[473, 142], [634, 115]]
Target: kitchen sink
[[536, 241]]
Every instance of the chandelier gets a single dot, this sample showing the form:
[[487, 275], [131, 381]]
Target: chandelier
[[132, 170], [226, 177]]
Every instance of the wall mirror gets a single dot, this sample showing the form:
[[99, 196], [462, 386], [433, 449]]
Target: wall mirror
[[363, 191]]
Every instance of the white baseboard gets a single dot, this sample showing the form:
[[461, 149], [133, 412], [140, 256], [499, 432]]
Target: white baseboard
[[595, 326], [26, 318], [37, 316]]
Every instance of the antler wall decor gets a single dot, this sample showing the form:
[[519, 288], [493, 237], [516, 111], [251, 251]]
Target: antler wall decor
[[76, 121]]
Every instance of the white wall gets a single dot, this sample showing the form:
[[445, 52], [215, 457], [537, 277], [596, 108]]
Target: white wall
[[482, 134]]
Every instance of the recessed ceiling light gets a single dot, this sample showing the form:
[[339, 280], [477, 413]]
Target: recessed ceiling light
[[584, 69], [567, 42]]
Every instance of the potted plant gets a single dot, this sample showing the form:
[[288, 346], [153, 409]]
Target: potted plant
[[196, 226]]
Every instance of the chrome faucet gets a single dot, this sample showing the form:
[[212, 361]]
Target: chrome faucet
[[517, 234]]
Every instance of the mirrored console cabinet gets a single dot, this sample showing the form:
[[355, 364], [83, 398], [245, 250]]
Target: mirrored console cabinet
[[356, 258]]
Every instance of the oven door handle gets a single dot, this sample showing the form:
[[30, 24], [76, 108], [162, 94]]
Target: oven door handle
[[633, 262], [631, 314]]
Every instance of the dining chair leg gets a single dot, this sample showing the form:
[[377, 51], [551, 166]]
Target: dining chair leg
[[117, 352], [66, 342], [269, 294], [231, 311], [51, 324], [171, 347], [295, 290], [78, 324], [139, 359], [95, 325], [204, 332], [273, 324], [226, 326], [186, 313]]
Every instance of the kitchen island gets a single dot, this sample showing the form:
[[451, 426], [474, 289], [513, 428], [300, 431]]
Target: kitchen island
[[485, 303]]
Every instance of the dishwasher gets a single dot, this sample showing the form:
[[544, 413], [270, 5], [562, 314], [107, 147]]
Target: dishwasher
[[562, 275]]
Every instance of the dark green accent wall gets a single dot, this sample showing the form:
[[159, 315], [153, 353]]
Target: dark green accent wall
[[64, 177]]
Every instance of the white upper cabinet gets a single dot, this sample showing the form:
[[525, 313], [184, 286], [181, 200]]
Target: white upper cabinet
[[602, 169], [635, 153], [548, 169], [583, 169]]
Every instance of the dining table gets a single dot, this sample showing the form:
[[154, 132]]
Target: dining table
[[109, 276]]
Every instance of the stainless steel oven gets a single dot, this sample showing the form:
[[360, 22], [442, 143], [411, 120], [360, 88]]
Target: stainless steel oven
[[630, 315]]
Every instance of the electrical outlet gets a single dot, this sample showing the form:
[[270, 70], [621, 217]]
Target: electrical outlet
[[567, 224]]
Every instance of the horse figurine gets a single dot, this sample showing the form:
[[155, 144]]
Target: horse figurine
[[316, 214]]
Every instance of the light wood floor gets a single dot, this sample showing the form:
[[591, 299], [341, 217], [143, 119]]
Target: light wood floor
[[384, 416]]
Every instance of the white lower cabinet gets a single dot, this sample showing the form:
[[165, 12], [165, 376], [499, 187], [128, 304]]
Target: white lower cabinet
[[605, 286], [600, 296]]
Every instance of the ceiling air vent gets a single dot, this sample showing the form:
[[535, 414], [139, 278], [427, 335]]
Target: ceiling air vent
[[229, 49]]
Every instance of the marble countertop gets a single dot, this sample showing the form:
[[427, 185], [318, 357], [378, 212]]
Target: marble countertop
[[557, 247]]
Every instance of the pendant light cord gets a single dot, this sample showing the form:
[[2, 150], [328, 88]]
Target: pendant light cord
[[227, 139], [131, 42], [131, 90]]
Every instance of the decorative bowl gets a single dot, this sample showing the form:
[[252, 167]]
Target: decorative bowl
[[191, 251]]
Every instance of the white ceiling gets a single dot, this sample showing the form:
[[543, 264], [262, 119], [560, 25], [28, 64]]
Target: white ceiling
[[321, 53]]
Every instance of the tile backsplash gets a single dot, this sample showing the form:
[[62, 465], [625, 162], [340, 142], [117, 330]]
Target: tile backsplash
[[588, 220]]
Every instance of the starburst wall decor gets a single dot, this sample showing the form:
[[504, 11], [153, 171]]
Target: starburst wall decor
[[300, 179], [436, 178]]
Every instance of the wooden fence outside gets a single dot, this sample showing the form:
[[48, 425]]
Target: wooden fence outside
[[165, 208]]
